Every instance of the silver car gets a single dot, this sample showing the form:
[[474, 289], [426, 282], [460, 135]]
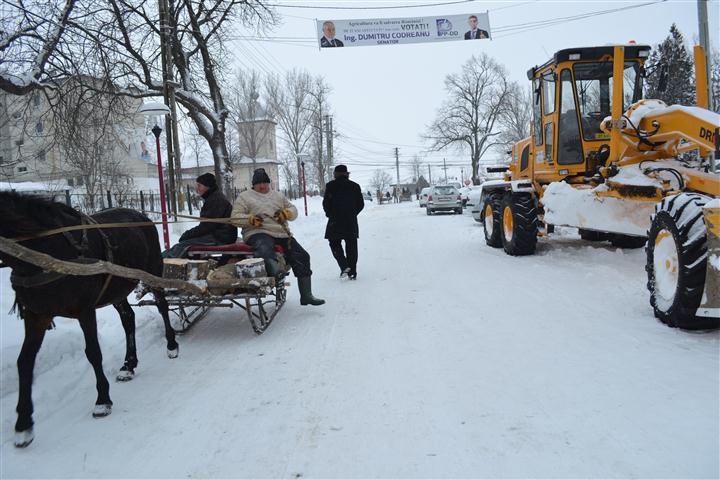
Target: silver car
[[423, 197], [444, 197]]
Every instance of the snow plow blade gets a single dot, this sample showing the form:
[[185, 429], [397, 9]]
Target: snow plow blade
[[710, 306]]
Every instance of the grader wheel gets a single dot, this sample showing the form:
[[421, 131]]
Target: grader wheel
[[676, 262], [491, 220], [519, 224]]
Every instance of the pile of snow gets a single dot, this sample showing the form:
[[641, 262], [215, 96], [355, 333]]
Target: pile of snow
[[582, 208], [632, 175], [28, 186]]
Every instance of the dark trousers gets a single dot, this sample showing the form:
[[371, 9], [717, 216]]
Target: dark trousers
[[179, 250], [347, 258], [295, 255]]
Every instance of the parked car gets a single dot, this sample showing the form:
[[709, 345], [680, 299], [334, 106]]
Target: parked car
[[424, 196], [367, 196], [473, 195], [443, 197]]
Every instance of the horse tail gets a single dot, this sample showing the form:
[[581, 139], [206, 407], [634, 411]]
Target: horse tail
[[19, 307]]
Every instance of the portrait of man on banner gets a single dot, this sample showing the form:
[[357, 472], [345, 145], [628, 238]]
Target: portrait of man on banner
[[328, 39], [475, 33]]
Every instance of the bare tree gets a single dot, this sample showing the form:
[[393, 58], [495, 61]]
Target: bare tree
[[470, 116], [120, 41], [290, 100], [416, 165], [193, 149], [87, 132], [380, 180], [320, 107], [515, 119], [246, 113]]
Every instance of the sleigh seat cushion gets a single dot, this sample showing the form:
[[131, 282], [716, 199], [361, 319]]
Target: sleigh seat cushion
[[237, 248]]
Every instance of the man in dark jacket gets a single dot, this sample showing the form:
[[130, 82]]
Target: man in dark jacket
[[215, 205], [342, 202]]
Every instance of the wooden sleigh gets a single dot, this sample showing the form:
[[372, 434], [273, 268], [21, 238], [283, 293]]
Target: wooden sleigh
[[261, 298]]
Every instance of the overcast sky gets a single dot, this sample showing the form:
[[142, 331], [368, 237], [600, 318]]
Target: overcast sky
[[385, 96]]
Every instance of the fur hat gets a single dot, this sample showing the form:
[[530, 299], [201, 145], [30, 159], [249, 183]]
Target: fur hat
[[207, 179], [260, 176]]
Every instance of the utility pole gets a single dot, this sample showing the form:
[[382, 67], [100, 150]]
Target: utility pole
[[329, 141], [705, 44], [397, 165], [169, 100], [462, 176], [429, 175], [445, 168]]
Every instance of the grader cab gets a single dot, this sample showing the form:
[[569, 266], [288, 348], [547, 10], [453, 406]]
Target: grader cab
[[619, 168]]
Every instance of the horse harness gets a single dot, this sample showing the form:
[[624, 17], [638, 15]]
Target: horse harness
[[44, 277]]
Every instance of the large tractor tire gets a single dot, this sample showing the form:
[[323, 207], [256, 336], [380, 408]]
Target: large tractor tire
[[676, 261], [491, 220], [519, 224]]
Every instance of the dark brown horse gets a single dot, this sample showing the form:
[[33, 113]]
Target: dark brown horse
[[40, 296]]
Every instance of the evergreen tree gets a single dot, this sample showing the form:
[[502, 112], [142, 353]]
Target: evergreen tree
[[670, 71]]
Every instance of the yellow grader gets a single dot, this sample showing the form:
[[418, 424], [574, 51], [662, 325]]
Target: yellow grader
[[622, 169]]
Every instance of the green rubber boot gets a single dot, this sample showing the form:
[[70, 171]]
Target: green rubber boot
[[306, 296], [272, 268]]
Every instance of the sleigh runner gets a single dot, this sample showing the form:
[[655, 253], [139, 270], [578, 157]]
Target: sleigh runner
[[230, 277]]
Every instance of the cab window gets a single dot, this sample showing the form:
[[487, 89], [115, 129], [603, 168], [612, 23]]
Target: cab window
[[524, 158], [593, 82], [537, 117], [548, 93], [569, 149], [548, 142]]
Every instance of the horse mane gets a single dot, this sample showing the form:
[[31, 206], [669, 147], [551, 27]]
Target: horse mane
[[23, 214]]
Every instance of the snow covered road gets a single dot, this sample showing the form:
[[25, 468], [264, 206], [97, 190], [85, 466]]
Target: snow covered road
[[446, 358]]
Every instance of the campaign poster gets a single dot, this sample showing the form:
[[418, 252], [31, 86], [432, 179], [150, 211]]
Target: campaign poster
[[396, 31]]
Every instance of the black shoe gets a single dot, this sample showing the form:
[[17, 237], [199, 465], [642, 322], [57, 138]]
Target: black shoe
[[352, 275], [345, 272]]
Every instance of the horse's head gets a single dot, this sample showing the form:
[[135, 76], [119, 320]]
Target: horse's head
[[23, 215]]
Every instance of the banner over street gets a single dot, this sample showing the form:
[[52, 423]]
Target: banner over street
[[395, 31]]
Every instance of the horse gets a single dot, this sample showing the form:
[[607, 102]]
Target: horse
[[40, 296]]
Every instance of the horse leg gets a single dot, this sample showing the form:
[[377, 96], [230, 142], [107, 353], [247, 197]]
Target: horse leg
[[173, 349], [35, 328], [127, 316], [88, 323]]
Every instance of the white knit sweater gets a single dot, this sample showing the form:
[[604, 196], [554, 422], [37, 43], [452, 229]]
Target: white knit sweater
[[265, 206]]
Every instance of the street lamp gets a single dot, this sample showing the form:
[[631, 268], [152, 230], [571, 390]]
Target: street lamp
[[301, 180], [158, 109], [304, 187]]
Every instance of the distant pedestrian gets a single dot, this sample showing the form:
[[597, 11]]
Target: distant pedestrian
[[343, 201]]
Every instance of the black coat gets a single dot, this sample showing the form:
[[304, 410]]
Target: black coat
[[342, 202], [214, 206]]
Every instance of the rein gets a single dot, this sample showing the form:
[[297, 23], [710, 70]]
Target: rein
[[93, 226]]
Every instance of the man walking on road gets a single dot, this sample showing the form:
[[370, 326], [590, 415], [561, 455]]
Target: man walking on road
[[342, 203]]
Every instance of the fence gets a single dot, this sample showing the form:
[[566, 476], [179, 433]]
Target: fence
[[144, 201]]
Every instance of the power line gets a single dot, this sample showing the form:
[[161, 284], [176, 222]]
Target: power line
[[530, 26], [387, 7]]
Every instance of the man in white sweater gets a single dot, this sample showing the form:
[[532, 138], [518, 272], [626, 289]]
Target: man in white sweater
[[263, 215]]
